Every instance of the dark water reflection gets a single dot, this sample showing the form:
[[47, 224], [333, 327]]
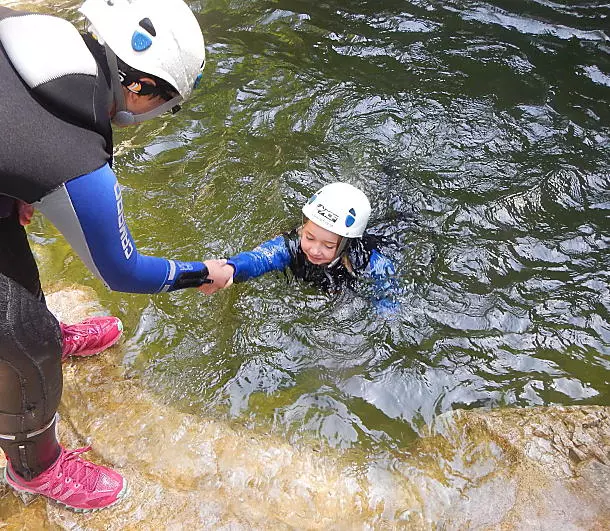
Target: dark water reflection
[[480, 131]]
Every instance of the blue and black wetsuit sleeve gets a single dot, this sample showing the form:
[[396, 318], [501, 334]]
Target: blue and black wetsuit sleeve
[[88, 211], [385, 285], [273, 255]]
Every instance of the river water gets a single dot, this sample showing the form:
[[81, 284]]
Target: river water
[[480, 132]]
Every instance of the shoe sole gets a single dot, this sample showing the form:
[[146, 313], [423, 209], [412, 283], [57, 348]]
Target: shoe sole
[[20, 490]]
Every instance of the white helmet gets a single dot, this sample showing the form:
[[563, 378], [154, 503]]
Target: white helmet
[[158, 37], [340, 208]]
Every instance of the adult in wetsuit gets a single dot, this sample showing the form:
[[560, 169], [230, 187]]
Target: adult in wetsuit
[[60, 91]]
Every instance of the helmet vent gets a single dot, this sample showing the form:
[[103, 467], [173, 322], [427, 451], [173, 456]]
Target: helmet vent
[[148, 26]]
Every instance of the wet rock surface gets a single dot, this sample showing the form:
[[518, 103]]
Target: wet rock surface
[[541, 468], [544, 468]]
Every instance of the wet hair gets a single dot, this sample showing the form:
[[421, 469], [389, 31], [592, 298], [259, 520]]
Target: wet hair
[[130, 79]]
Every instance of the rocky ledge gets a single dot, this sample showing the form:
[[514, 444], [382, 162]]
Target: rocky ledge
[[533, 468]]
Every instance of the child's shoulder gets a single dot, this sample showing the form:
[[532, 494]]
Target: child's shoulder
[[372, 242], [292, 241]]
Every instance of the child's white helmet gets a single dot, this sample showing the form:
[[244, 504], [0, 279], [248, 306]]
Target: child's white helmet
[[340, 208], [158, 37]]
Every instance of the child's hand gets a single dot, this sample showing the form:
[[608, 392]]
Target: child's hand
[[221, 275]]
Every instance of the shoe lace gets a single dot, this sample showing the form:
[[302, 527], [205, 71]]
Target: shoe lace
[[76, 331], [76, 337], [77, 469]]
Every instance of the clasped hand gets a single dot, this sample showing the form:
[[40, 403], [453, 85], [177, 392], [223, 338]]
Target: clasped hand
[[220, 272], [221, 275]]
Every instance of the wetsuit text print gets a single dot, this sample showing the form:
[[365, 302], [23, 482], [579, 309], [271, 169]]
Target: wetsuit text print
[[125, 240]]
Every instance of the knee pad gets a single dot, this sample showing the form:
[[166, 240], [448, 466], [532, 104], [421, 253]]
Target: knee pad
[[30, 360], [33, 452]]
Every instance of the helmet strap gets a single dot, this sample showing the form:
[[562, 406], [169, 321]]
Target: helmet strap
[[340, 250], [122, 116]]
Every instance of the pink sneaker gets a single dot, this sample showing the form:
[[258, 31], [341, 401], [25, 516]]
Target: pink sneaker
[[90, 336], [73, 482]]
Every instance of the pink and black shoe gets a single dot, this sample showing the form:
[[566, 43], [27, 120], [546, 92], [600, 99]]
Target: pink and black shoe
[[90, 336], [73, 482]]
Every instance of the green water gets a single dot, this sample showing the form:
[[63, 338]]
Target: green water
[[480, 132]]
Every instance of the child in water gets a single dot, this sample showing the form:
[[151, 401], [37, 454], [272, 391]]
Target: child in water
[[330, 249]]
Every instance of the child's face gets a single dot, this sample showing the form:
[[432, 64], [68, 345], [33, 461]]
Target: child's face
[[318, 244]]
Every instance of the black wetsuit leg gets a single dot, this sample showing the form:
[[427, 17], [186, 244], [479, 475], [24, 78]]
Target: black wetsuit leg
[[30, 358], [16, 259]]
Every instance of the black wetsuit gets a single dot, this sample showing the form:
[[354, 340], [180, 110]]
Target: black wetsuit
[[39, 150]]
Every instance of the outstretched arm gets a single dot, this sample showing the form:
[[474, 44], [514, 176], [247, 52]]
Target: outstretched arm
[[88, 211], [272, 255]]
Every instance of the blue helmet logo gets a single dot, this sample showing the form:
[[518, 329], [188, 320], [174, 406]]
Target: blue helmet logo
[[140, 42], [350, 219]]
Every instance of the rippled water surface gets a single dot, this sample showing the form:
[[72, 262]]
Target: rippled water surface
[[480, 132]]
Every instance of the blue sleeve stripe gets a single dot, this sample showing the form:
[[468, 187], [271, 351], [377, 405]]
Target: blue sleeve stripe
[[170, 277], [172, 270]]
